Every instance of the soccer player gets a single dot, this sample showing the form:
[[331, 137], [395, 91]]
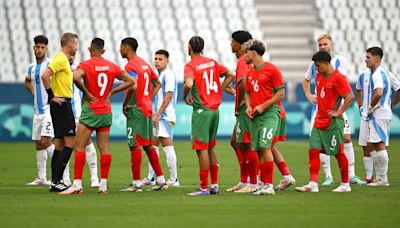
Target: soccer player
[[98, 74], [164, 118], [241, 139], [373, 96], [327, 133], [42, 127], [57, 79], [340, 63], [139, 112], [264, 89], [90, 150], [202, 83]]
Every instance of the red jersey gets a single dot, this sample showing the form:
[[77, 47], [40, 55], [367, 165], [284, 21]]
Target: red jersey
[[330, 91], [241, 71], [262, 83], [206, 89], [141, 100], [99, 78]]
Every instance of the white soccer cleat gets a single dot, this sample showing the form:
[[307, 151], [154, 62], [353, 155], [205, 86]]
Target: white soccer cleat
[[148, 182], [285, 183], [67, 182], [38, 182], [342, 188], [237, 187], [310, 187], [132, 188], [267, 189], [378, 183], [102, 187], [173, 183], [247, 189], [94, 183], [73, 190]]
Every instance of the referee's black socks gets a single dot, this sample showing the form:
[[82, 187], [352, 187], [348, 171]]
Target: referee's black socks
[[62, 162], [54, 164]]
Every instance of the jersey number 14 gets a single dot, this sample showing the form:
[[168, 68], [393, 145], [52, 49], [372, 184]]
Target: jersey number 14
[[211, 85]]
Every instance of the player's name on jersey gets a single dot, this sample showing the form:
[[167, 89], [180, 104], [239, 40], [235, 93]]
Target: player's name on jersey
[[101, 68], [205, 65], [145, 67]]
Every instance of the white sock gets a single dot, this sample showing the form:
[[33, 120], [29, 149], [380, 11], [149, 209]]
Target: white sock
[[50, 150], [171, 162], [136, 183], [41, 158], [368, 166], [91, 158], [374, 162], [326, 164], [151, 173], [66, 178], [349, 152], [383, 163], [78, 183], [160, 179]]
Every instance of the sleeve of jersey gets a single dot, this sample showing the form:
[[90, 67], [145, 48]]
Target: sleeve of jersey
[[55, 65], [222, 70], [343, 86], [170, 81], [359, 82], [241, 70], [188, 72], [377, 80], [117, 71], [28, 73], [131, 71], [309, 73], [247, 87], [277, 81]]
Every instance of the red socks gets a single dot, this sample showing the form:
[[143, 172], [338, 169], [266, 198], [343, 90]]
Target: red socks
[[314, 164], [154, 161], [244, 172], [203, 179], [252, 165], [80, 158], [343, 164], [214, 174], [269, 168], [105, 162], [283, 168], [238, 156], [136, 161]]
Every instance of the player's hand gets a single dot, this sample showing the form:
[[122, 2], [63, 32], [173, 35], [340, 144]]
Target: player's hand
[[156, 119], [371, 109], [58, 100], [249, 112], [108, 98], [258, 110], [125, 109], [89, 97], [312, 99], [332, 113], [189, 100]]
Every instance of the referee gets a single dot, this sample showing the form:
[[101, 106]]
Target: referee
[[58, 80]]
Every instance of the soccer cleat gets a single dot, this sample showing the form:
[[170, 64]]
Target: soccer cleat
[[214, 190], [102, 188], [58, 187], [38, 182], [310, 187], [173, 183], [342, 188], [159, 187], [285, 183], [328, 181], [67, 182], [73, 190], [199, 192], [94, 183], [379, 183], [132, 188], [146, 181], [247, 189], [356, 180], [267, 189], [368, 181], [237, 187]]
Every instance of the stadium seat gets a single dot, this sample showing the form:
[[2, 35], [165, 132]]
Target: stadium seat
[[113, 3], [161, 4], [356, 3], [339, 4], [372, 3], [229, 3]]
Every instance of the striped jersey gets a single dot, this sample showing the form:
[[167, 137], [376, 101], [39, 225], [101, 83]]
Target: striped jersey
[[168, 84], [76, 101], [368, 82], [34, 74]]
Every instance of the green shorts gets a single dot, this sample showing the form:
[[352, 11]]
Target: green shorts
[[263, 129], [280, 135], [92, 120], [329, 139], [139, 131], [204, 128], [242, 126]]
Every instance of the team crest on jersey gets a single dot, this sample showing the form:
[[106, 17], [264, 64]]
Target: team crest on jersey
[[329, 85], [262, 76]]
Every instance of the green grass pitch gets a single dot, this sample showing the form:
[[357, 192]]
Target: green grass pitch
[[36, 207]]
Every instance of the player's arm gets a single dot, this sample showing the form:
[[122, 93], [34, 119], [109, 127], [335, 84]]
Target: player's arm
[[241, 90], [128, 82], [230, 91], [228, 79], [249, 110], [156, 87], [359, 98], [347, 101], [164, 105], [312, 98], [28, 86], [278, 96], [78, 75], [396, 99], [46, 78], [187, 88], [375, 100]]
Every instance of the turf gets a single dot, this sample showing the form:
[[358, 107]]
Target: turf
[[36, 207]]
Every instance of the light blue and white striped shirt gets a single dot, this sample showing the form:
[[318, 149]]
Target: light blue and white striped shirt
[[168, 84]]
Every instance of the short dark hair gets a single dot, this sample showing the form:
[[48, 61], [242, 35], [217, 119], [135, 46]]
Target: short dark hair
[[67, 37], [197, 44], [41, 39], [322, 56], [377, 51], [241, 36], [131, 42], [254, 45], [163, 52], [97, 43]]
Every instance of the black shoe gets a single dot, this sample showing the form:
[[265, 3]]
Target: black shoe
[[58, 187]]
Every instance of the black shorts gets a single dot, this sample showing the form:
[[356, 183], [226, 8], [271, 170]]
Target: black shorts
[[63, 119]]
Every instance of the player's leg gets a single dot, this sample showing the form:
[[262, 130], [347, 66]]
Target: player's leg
[[91, 159], [103, 138], [170, 154], [367, 148], [344, 170], [150, 179]]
